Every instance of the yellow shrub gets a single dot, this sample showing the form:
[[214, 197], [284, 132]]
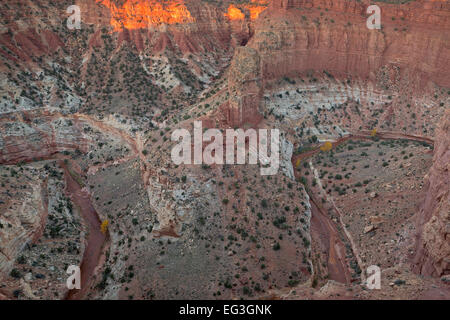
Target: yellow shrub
[[327, 146], [104, 226]]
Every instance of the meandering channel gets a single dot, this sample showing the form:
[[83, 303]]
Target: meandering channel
[[95, 240], [324, 227]]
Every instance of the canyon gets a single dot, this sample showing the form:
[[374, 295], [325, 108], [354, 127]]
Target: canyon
[[86, 118]]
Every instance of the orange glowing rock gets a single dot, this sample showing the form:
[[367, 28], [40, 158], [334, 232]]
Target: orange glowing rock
[[255, 11], [140, 14], [257, 6], [234, 13]]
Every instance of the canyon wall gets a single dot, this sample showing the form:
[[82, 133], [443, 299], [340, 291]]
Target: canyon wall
[[297, 36], [190, 26], [432, 256]]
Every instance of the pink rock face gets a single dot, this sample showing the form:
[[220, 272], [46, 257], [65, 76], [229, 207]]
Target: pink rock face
[[291, 40], [432, 255], [245, 88]]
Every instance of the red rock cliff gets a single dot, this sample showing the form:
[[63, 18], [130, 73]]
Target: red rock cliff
[[299, 35], [432, 256], [190, 26]]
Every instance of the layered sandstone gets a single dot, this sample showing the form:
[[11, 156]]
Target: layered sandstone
[[21, 222], [189, 26], [22, 140], [294, 37]]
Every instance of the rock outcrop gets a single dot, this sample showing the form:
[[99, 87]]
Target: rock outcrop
[[245, 88], [20, 224], [22, 140]]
